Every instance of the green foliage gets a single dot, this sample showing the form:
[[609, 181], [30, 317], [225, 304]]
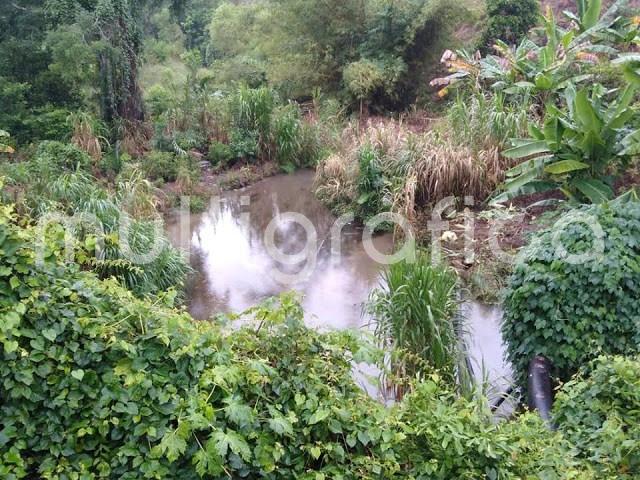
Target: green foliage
[[159, 100], [293, 139], [4, 146], [366, 79], [251, 110], [453, 437], [599, 412], [371, 183], [415, 312], [96, 383], [509, 20], [569, 310], [481, 120], [52, 158], [577, 146], [99, 384], [56, 180], [220, 154], [369, 50], [160, 165]]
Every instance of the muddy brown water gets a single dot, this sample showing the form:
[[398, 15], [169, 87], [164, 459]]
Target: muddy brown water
[[235, 270]]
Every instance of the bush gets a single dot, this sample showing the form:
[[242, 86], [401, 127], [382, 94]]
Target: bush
[[572, 312], [48, 123], [599, 412], [371, 183], [455, 438], [136, 390], [159, 100], [53, 158], [244, 144], [220, 154], [509, 20], [160, 165]]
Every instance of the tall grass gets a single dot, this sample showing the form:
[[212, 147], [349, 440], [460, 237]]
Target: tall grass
[[72, 190], [480, 122], [89, 134], [415, 311]]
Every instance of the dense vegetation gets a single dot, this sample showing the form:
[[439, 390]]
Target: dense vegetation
[[572, 295], [113, 109], [98, 384]]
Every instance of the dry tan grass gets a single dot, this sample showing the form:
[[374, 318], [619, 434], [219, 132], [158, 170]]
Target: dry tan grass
[[136, 137], [85, 137], [422, 168]]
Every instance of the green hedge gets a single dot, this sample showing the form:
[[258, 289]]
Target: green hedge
[[574, 312]]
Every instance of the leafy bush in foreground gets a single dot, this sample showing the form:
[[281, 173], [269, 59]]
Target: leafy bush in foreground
[[573, 312], [95, 383], [599, 412]]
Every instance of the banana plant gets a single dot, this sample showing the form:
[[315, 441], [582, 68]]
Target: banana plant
[[541, 69], [588, 14], [577, 147]]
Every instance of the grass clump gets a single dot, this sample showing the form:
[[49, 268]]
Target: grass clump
[[415, 311]]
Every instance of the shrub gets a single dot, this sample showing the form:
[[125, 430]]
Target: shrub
[[160, 165], [134, 389], [54, 157], [457, 438], [568, 311], [47, 123], [244, 144], [159, 100], [220, 154], [509, 20], [286, 132], [371, 183], [599, 412], [251, 110]]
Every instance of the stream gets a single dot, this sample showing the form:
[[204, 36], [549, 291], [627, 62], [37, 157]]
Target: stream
[[234, 267]]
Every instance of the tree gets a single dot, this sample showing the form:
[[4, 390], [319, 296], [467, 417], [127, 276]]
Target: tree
[[509, 20]]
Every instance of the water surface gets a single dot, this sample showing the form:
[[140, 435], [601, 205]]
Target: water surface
[[234, 269]]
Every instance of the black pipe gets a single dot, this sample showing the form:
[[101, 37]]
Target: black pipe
[[503, 398], [540, 389]]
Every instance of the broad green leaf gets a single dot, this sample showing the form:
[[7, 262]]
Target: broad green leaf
[[543, 82], [320, 415], [592, 14], [534, 147], [595, 190], [535, 186], [173, 446], [565, 166], [50, 334], [281, 426], [78, 374], [585, 113], [535, 164]]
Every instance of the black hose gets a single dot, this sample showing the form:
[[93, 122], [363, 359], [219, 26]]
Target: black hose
[[541, 388]]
